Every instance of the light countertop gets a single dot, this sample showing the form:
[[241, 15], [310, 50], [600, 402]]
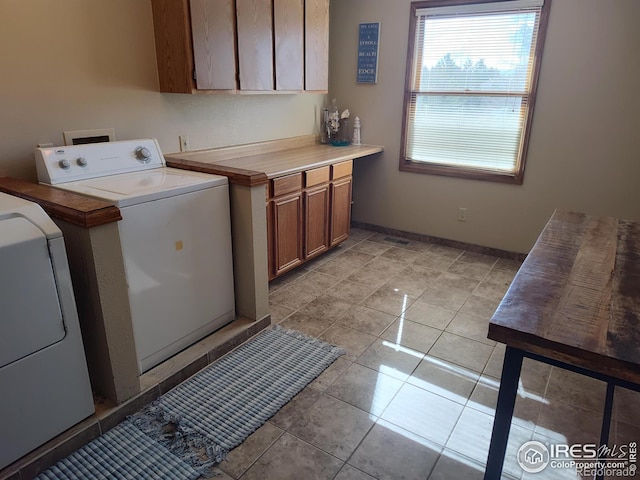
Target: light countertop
[[255, 164]]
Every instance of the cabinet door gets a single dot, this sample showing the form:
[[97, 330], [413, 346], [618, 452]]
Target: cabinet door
[[213, 29], [316, 225], [173, 45], [288, 22], [255, 44], [316, 45], [286, 216], [340, 210]]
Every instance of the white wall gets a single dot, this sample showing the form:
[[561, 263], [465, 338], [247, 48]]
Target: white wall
[[83, 64], [585, 138]]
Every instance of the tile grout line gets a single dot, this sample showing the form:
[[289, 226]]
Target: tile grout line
[[259, 456], [379, 336]]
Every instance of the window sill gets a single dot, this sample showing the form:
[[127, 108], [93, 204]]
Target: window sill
[[460, 172]]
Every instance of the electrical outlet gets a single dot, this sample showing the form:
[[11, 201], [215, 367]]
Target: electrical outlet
[[462, 214], [185, 144]]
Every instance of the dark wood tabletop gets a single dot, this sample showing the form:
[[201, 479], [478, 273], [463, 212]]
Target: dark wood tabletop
[[576, 297]]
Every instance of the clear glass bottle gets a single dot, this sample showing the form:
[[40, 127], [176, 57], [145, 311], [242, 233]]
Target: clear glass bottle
[[324, 134], [334, 121]]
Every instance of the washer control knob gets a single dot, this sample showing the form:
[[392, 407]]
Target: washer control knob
[[64, 164], [81, 161], [143, 154]]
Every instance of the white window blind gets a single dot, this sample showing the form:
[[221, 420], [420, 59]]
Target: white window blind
[[471, 84]]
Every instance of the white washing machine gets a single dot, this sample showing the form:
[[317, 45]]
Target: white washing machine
[[44, 385], [175, 235]]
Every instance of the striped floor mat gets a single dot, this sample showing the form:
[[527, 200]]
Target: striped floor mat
[[202, 419], [124, 452], [191, 428]]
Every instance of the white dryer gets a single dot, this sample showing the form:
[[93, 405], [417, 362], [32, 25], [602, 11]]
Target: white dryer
[[44, 385], [175, 236]]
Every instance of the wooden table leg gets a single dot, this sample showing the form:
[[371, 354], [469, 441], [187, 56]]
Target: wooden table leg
[[504, 412]]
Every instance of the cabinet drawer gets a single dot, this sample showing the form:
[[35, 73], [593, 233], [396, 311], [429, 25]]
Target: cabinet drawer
[[288, 184], [342, 169], [316, 176]]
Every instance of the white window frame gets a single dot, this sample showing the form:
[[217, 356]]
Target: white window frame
[[469, 6]]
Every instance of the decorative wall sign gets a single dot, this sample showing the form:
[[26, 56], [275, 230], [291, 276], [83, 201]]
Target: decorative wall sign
[[368, 47]]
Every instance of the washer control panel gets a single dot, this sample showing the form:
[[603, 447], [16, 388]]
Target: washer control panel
[[81, 162]]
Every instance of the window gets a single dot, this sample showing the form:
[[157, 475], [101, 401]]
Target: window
[[470, 87]]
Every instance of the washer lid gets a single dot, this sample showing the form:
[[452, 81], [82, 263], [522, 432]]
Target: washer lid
[[31, 315], [138, 187]]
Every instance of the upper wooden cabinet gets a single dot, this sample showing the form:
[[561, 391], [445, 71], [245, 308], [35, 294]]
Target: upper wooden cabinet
[[242, 45], [174, 50], [213, 30], [316, 45], [255, 44], [288, 21]]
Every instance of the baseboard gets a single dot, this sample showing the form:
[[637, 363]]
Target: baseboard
[[496, 252]]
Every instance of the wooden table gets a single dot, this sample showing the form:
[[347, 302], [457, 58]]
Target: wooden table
[[575, 304]]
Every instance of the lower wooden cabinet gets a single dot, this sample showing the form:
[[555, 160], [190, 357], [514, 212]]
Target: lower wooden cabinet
[[285, 217], [307, 214], [340, 210], [316, 221], [287, 233]]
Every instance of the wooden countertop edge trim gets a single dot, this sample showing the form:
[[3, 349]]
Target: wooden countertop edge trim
[[70, 207], [237, 176]]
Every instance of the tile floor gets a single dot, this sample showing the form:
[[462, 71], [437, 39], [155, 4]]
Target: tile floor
[[414, 397]]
